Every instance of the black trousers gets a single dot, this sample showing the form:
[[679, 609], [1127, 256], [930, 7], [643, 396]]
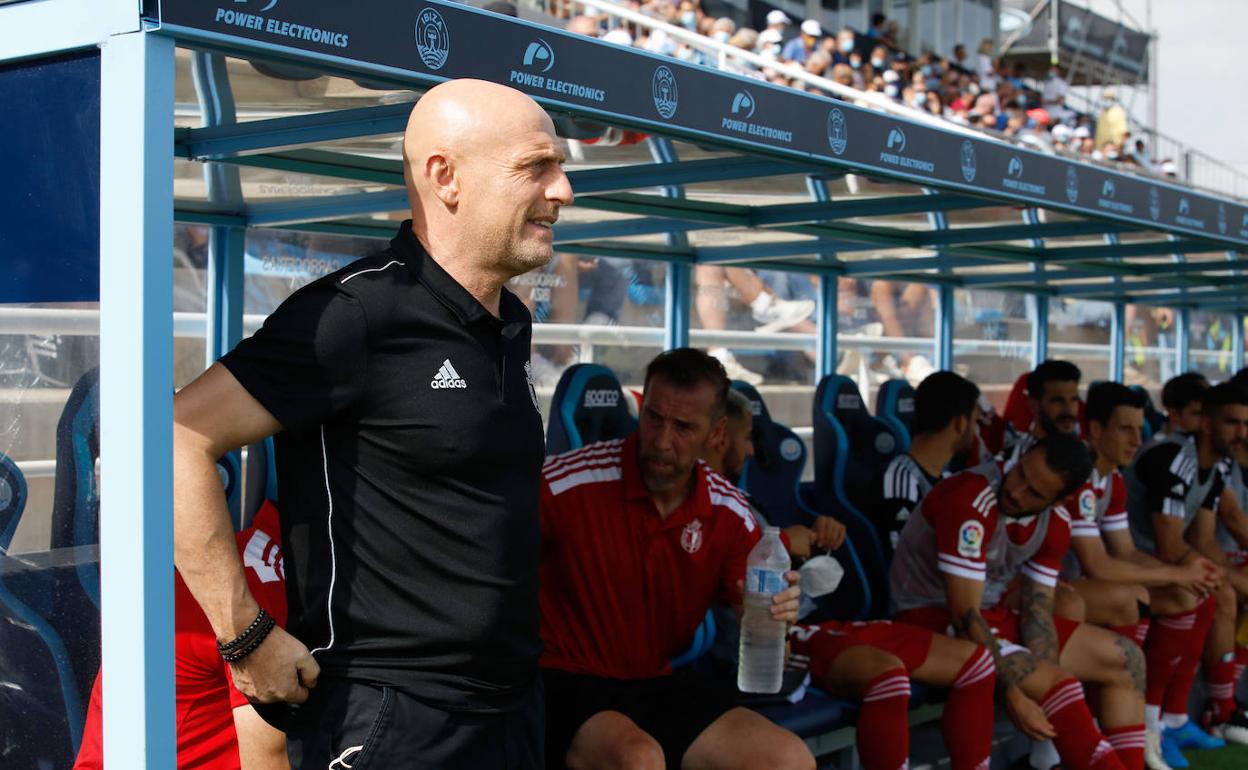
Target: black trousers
[[348, 725]]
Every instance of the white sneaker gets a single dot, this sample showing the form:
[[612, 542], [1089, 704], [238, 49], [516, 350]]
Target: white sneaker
[[783, 314], [1152, 752], [1234, 730], [734, 369]]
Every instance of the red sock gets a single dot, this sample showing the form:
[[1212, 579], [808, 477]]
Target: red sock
[[1080, 745], [967, 723], [1221, 680], [1128, 743], [883, 732], [1241, 663], [1180, 688], [1128, 631], [1163, 652], [1141, 630]]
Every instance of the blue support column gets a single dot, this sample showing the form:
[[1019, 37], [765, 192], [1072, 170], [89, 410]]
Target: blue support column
[[1182, 339], [1039, 302], [136, 399], [1118, 342], [944, 328], [1237, 342], [677, 296], [676, 306], [825, 362]]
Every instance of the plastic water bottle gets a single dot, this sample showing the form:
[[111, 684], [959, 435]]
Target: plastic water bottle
[[760, 666]]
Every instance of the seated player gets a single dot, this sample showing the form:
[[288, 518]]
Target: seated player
[[874, 662], [946, 413], [1174, 491], [1120, 585], [217, 728], [1181, 398], [966, 543], [1053, 395], [639, 537]]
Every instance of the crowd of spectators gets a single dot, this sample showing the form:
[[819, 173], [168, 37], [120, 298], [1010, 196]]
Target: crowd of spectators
[[979, 90]]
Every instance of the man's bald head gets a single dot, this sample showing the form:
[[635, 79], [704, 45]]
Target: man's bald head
[[483, 167]]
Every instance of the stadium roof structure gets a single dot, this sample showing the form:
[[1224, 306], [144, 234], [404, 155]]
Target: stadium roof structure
[[745, 172]]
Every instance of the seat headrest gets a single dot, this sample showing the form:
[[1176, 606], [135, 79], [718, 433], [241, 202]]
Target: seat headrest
[[589, 405], [773, 443], [12, 499], [841, 401]]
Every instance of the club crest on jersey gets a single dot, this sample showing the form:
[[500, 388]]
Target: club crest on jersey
[[970, 538], [691, 538], [1087, 504]]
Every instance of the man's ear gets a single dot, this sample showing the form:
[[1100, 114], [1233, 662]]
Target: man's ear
[[440, 173]]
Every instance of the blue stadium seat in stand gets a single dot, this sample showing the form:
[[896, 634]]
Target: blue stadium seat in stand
[[75, 504], [894, 405], [260, 480], [49, 642], [852, 449], [1154, 420], [588, 405], [773, 479]]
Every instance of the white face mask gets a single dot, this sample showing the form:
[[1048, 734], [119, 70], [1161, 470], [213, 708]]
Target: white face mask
[[821, 575]]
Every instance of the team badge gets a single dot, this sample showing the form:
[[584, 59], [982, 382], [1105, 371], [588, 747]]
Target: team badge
[[970, 539], [691, 538], [1087, 504]]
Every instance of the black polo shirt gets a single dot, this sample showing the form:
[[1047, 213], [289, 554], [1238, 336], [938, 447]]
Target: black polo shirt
[[408, 476]]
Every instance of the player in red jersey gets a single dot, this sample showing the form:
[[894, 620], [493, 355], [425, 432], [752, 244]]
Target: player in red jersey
[[956, 558], [639, 538], [217, 728]]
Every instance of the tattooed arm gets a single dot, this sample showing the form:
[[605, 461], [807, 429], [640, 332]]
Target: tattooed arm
[[1035, 609]]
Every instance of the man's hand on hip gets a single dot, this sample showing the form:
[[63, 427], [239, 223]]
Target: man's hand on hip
[[280, 669]]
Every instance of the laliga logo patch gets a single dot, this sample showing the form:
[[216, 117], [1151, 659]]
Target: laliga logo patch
[[838, 131], [970, 538], [433, 39], [691, 538], [1087, 504], [790, 449], [968, 160], [663, 90]]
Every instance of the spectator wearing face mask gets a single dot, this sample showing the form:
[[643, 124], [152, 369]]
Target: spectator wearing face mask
[[892, 84], [1111, 125], [769, 43], [799, 48], [722, 29], [845, 40], [778, 21]]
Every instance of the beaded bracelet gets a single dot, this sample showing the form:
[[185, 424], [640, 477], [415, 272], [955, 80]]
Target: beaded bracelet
[[246, 643]]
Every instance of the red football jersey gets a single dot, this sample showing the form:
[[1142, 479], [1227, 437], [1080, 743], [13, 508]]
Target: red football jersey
[[622, 588], [957, 530], [206, 697]]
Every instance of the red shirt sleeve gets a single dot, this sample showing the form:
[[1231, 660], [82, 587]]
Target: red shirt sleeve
[[1045, 565], [962, 512], [745, 535], [1115, 517], [1082, 508]]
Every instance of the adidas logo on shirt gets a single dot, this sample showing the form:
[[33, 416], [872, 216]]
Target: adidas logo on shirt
[[447, 377]]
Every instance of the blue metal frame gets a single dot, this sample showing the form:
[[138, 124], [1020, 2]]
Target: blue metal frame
[[1118, 343], [1039, 302], [136, 394], [676, 298]]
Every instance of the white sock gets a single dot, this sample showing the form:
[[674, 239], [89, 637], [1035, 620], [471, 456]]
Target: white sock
[[1152, 718], [1174, 721], [1044, 755], [761, 302]]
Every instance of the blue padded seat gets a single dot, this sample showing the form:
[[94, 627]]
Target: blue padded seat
[[773, 479], [815, 714], [589, 405], [49, 640], [1154, 420], [894, 406], [852, 449]]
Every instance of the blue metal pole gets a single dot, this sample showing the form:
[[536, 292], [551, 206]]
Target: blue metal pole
[[1182, 339], [944, 328], [136, 399], [676, 304], [825, 362], [1237, 342], [225, 291], [1118, 343], [677, 301], [1040, 302]]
